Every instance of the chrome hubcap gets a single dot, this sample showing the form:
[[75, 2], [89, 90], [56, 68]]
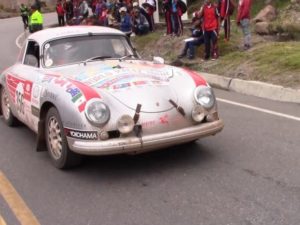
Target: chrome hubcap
[[5, 105], [54, 138]]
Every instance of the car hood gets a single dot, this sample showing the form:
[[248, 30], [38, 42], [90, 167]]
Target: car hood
[[130, 83]]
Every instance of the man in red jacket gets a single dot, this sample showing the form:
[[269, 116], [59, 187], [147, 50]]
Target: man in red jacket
[[243, 20], [210, 15]]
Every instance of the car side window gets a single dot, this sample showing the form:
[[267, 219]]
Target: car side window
[[32, 56]]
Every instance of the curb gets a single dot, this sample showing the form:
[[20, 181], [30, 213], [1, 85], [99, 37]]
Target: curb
[[254, 88]]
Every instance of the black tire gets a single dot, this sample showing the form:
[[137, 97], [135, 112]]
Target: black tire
[[8, 117], [62, 157]]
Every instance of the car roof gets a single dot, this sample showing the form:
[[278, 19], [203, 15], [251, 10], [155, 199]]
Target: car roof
[[70, 31]]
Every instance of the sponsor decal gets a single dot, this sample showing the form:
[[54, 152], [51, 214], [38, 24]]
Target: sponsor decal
[[164, 119], [83, 135], [79, 92], [49, 95]]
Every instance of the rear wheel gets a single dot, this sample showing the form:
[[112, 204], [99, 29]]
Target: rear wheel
[[8, 117], [61, 156]]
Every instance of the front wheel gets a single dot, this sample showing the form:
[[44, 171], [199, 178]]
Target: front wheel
[[62, 157], [8, 117]]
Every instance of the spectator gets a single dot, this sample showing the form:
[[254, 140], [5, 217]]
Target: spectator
[[36, 20], [243, 20], [24, 14], [125, 25], [181, 9], [196, 40], [167, 8], [60, 13], [68, 6], [226, 9], [84, 9], [174, 17], [150, 6], [142, 11], [209, 13], [140, 25]]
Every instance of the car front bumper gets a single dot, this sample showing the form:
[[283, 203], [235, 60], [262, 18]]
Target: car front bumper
[[145, 143]]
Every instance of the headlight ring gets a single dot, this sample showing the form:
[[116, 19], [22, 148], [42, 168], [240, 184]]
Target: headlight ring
[[204, 96], [97, 112]]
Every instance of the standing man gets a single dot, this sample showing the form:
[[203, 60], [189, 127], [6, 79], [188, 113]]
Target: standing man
[[36, 20], [226, 9], [60, 13], [24, 14], [243, 20], [210, 14], [69, 10]]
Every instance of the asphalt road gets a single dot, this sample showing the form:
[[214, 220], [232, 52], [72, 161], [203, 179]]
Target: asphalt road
[[246, 175]]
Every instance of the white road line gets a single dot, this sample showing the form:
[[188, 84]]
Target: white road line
[[18, 40], [260, 109]]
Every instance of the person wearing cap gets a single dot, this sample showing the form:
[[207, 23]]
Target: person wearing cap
[[125, 25], [36, 20], [140, 25], [24, 14]]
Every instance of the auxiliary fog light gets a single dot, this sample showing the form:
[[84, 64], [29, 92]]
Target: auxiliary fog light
[[212, 117], [104, 135], [125, 124], [198, 113]]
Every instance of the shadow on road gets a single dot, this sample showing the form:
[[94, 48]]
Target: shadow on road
[[173, 159]]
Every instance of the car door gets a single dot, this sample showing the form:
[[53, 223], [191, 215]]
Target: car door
[[23, 87]]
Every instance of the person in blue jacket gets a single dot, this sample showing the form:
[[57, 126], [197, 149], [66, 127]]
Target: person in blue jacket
[[125, 25]]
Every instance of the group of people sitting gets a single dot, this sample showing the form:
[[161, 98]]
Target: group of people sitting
[[128, 16]]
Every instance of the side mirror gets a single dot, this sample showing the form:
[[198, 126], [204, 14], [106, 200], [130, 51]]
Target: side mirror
[[158, 60]]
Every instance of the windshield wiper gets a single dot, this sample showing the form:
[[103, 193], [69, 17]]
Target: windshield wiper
[[125, 57], [96, 58]]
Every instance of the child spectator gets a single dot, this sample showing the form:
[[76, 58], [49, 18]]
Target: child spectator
[[243, 20], [209, 13], [60, 13], [226, 9]]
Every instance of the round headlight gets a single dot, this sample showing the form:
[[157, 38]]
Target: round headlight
[[204, 96], [97, 112], [125, 124]]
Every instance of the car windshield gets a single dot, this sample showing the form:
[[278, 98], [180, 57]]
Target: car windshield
[[86, 48]]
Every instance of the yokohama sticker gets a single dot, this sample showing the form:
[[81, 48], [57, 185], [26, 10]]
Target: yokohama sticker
[[83, 135]]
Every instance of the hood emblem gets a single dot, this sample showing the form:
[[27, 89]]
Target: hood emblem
[[157, 104]]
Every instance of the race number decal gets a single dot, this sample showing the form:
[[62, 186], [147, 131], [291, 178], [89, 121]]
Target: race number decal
[[19, 98]]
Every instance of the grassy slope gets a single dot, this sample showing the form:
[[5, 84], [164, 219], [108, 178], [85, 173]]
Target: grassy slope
[[269, 61]]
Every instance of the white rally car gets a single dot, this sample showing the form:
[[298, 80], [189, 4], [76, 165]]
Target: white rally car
[[85, 91]]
